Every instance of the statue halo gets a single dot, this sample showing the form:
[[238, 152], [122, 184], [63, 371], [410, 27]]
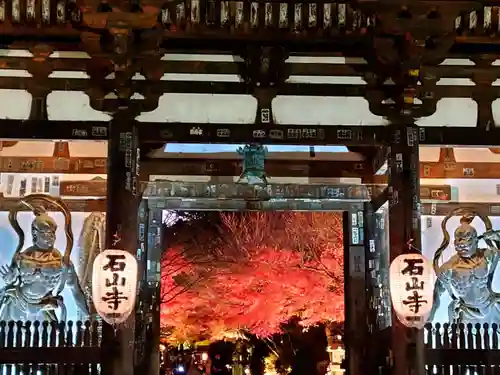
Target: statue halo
[[37, 211]]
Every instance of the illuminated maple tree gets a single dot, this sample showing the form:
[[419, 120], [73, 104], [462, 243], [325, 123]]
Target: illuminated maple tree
[[252, 271]]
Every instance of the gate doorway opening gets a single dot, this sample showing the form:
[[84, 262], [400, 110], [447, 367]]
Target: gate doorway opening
[[252, 279]]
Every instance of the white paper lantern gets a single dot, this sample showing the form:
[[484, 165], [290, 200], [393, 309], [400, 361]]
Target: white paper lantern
[[412, 281], [114, 285]]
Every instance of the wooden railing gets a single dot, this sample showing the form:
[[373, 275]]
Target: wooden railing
[[462, 349], [49, 348]]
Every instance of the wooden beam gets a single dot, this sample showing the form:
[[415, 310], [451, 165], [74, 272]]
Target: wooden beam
[[312, 168], [427, 192], [217, 34], [379, 159], [234, 68], [232, 167], [46, 129], [65, 39], [97, 188], [379, 199], [161, 190], [145, 87], [50, 164], [74, 205], [299, 134], [274, 168], [443, 209], [376, 157], [457, 170], [296, 134], [247, 133], [92, 188]]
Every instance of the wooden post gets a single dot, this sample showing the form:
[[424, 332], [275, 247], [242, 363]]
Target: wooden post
[[142, 291], [154, 251], [355, 290], [371, 315], [377, 254], [404, 225], [121, 226]]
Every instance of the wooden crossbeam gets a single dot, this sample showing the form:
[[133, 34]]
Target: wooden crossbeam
[[318, 169], [65, 39], [444, 208], [47, 129], [223, 39], [312, 135], [99, 205], [176, 132], [237, 88], [91, 188], [467, 170], [274, 168], [234, 68], [232, 167], [51, 164], [74, 205]]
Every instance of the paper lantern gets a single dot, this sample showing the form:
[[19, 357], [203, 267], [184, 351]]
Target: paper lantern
[[412, 281], [114, 285]]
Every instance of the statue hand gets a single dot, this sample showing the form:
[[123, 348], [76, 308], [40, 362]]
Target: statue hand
[[8, 274], [51, 302]]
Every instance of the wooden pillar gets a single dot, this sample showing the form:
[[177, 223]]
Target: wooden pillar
[[404, 225], [355, 332], [142, 289], [154, 252], [377, 254], [371, 314], [121, 226]]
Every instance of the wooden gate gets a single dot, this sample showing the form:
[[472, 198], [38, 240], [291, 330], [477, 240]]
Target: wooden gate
[[462, 349], [39, 348]]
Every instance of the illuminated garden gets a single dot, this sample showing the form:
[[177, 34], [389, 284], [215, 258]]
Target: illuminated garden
[[271, 283]]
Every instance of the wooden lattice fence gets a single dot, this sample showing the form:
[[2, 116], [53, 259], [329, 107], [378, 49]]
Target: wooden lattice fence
[[39, 348], [462, 349]]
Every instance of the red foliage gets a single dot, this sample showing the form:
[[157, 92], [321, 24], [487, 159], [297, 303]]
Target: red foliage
[[264, 269]]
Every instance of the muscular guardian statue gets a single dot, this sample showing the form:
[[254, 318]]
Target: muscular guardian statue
[[37, 276], [468, 274]]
